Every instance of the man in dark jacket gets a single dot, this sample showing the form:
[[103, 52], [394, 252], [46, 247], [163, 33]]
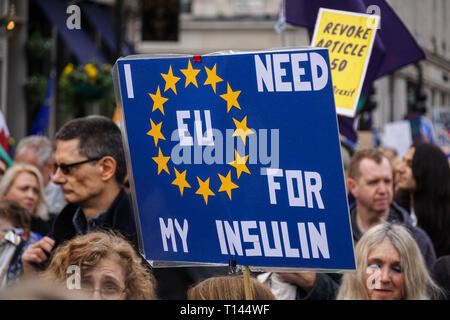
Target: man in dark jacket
[[90, 167], [371, 183]]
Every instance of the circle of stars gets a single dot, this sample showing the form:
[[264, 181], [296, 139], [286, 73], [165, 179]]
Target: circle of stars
[[231, 98]]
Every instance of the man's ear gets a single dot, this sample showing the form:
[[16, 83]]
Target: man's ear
[[108, 166], [351, 186]]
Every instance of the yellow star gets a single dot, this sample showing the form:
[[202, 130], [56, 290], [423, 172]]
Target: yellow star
[[241, 129], [158, 101], [212, 78], [171, 80], [180, 181], [190, 75], [239, 164], [155, 132], [204, 189], [231, 98], [227, 185], [162, 162]]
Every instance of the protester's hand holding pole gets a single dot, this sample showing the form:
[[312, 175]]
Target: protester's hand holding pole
[[35, 254], [304, 280]]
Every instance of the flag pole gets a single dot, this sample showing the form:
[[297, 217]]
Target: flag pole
[[51, 129], [247, 284]]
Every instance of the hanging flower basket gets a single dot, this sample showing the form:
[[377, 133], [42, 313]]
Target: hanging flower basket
[[88, 91], [86, 83]]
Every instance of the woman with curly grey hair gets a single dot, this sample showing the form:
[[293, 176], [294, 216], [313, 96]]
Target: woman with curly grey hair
[[109, 267], [389, 267]]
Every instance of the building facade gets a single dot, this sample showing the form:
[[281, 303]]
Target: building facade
[[217, 25], [429, 23], [13, 69], [205, 26]]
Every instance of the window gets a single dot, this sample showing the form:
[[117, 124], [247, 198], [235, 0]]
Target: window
[[160, 20]]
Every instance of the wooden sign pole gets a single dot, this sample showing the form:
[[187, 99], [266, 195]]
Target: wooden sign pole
[[247, 284]]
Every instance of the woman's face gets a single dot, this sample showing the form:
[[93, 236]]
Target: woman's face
[[106, 281], [404, 175], [25, 190], [384, 278]]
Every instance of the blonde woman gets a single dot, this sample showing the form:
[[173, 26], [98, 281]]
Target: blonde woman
[[228, 288], [109, 268], [23, 183], [389, 266]]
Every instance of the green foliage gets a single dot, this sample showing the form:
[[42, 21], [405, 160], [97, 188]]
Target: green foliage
[[38, 47], [35, 88], [83, 84]]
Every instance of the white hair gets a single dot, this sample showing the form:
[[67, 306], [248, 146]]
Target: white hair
[[40, 144]]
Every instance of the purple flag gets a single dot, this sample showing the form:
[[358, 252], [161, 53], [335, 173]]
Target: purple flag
[[394, 46]]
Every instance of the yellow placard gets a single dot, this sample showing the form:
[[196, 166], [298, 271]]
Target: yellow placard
[[349, 37]]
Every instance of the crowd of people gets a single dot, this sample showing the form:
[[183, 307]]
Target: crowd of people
[[66, 221]]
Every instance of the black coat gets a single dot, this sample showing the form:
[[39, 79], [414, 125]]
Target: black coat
[[43, 227], [441, 274], [119, 217]]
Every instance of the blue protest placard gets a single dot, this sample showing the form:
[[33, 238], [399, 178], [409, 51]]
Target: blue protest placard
[[236, 157]]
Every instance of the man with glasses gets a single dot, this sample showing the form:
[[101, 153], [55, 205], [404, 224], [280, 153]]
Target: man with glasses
[[90, 168]]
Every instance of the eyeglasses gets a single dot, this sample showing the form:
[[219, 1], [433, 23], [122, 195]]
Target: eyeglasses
[[65, 168], [108, 292]]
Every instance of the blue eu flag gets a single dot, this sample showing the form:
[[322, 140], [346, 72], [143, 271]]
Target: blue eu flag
[[41, 121]]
